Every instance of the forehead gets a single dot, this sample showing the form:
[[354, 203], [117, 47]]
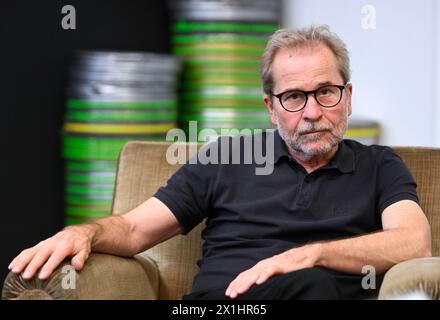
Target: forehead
[[305, 67]]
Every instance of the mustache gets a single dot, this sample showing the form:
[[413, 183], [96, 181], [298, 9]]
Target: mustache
[[313, 126]]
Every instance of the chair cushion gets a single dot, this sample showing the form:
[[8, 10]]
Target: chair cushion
[[416, 275]]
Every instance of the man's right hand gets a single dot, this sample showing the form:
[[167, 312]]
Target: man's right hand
[[74, 242], [124, 235]]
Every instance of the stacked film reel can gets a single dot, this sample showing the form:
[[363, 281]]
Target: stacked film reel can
[[221, 43], [113, 98], [363, 130]]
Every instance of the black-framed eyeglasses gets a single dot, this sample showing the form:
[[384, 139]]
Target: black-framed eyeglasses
[[295, 100]]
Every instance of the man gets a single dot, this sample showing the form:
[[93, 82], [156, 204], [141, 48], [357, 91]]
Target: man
[[306, 231]]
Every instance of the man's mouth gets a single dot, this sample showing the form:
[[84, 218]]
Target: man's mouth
[[310, 132]]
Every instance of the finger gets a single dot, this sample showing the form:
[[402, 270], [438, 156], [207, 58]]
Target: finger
[[238, 282], [246, 284], [243, 283], [37, 261], [13, 263], [232, 286], [263, 278], [79, 259], [235, 283], [22, 260], [54, 261]]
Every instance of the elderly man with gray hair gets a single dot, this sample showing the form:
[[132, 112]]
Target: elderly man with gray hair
[[330, 207]]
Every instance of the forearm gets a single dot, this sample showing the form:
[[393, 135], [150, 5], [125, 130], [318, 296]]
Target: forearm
[[381, 250], [141, 228], [110, 235]]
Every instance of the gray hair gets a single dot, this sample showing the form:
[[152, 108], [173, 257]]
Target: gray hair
[[285, 38]]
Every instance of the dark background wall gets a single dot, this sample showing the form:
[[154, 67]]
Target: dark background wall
[[34, 54]]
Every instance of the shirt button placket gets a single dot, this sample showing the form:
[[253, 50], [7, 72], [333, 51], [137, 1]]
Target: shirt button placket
[[305, 193]]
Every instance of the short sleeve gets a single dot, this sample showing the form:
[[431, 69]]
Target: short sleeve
[[395, 182], [189, 193]]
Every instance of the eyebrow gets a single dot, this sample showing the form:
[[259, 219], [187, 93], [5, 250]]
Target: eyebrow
[[321, 84]]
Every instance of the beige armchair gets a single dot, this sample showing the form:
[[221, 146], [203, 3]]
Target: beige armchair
[[166, 271]]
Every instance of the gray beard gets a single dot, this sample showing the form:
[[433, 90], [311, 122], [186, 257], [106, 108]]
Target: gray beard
[[299, 143]]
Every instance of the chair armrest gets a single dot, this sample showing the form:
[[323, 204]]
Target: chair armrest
[[104, 276], [416, 275]]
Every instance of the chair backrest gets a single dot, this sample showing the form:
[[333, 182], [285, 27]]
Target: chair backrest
[[424, 164], [143, 168]]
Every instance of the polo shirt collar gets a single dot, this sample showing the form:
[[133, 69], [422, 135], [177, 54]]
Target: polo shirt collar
[[343, 160], [280, 149]]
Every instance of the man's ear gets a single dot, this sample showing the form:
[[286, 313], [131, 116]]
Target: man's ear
[[349, 95], [268, 102]]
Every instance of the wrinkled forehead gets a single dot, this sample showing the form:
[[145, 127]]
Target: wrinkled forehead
[[311, 62]]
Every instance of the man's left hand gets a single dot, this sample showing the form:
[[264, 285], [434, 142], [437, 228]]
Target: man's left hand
[[288, 261]]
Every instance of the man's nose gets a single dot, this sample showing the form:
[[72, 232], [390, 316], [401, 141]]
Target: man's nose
[[312, 110]]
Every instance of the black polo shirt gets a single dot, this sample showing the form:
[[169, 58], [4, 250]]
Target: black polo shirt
[[252, 217]]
